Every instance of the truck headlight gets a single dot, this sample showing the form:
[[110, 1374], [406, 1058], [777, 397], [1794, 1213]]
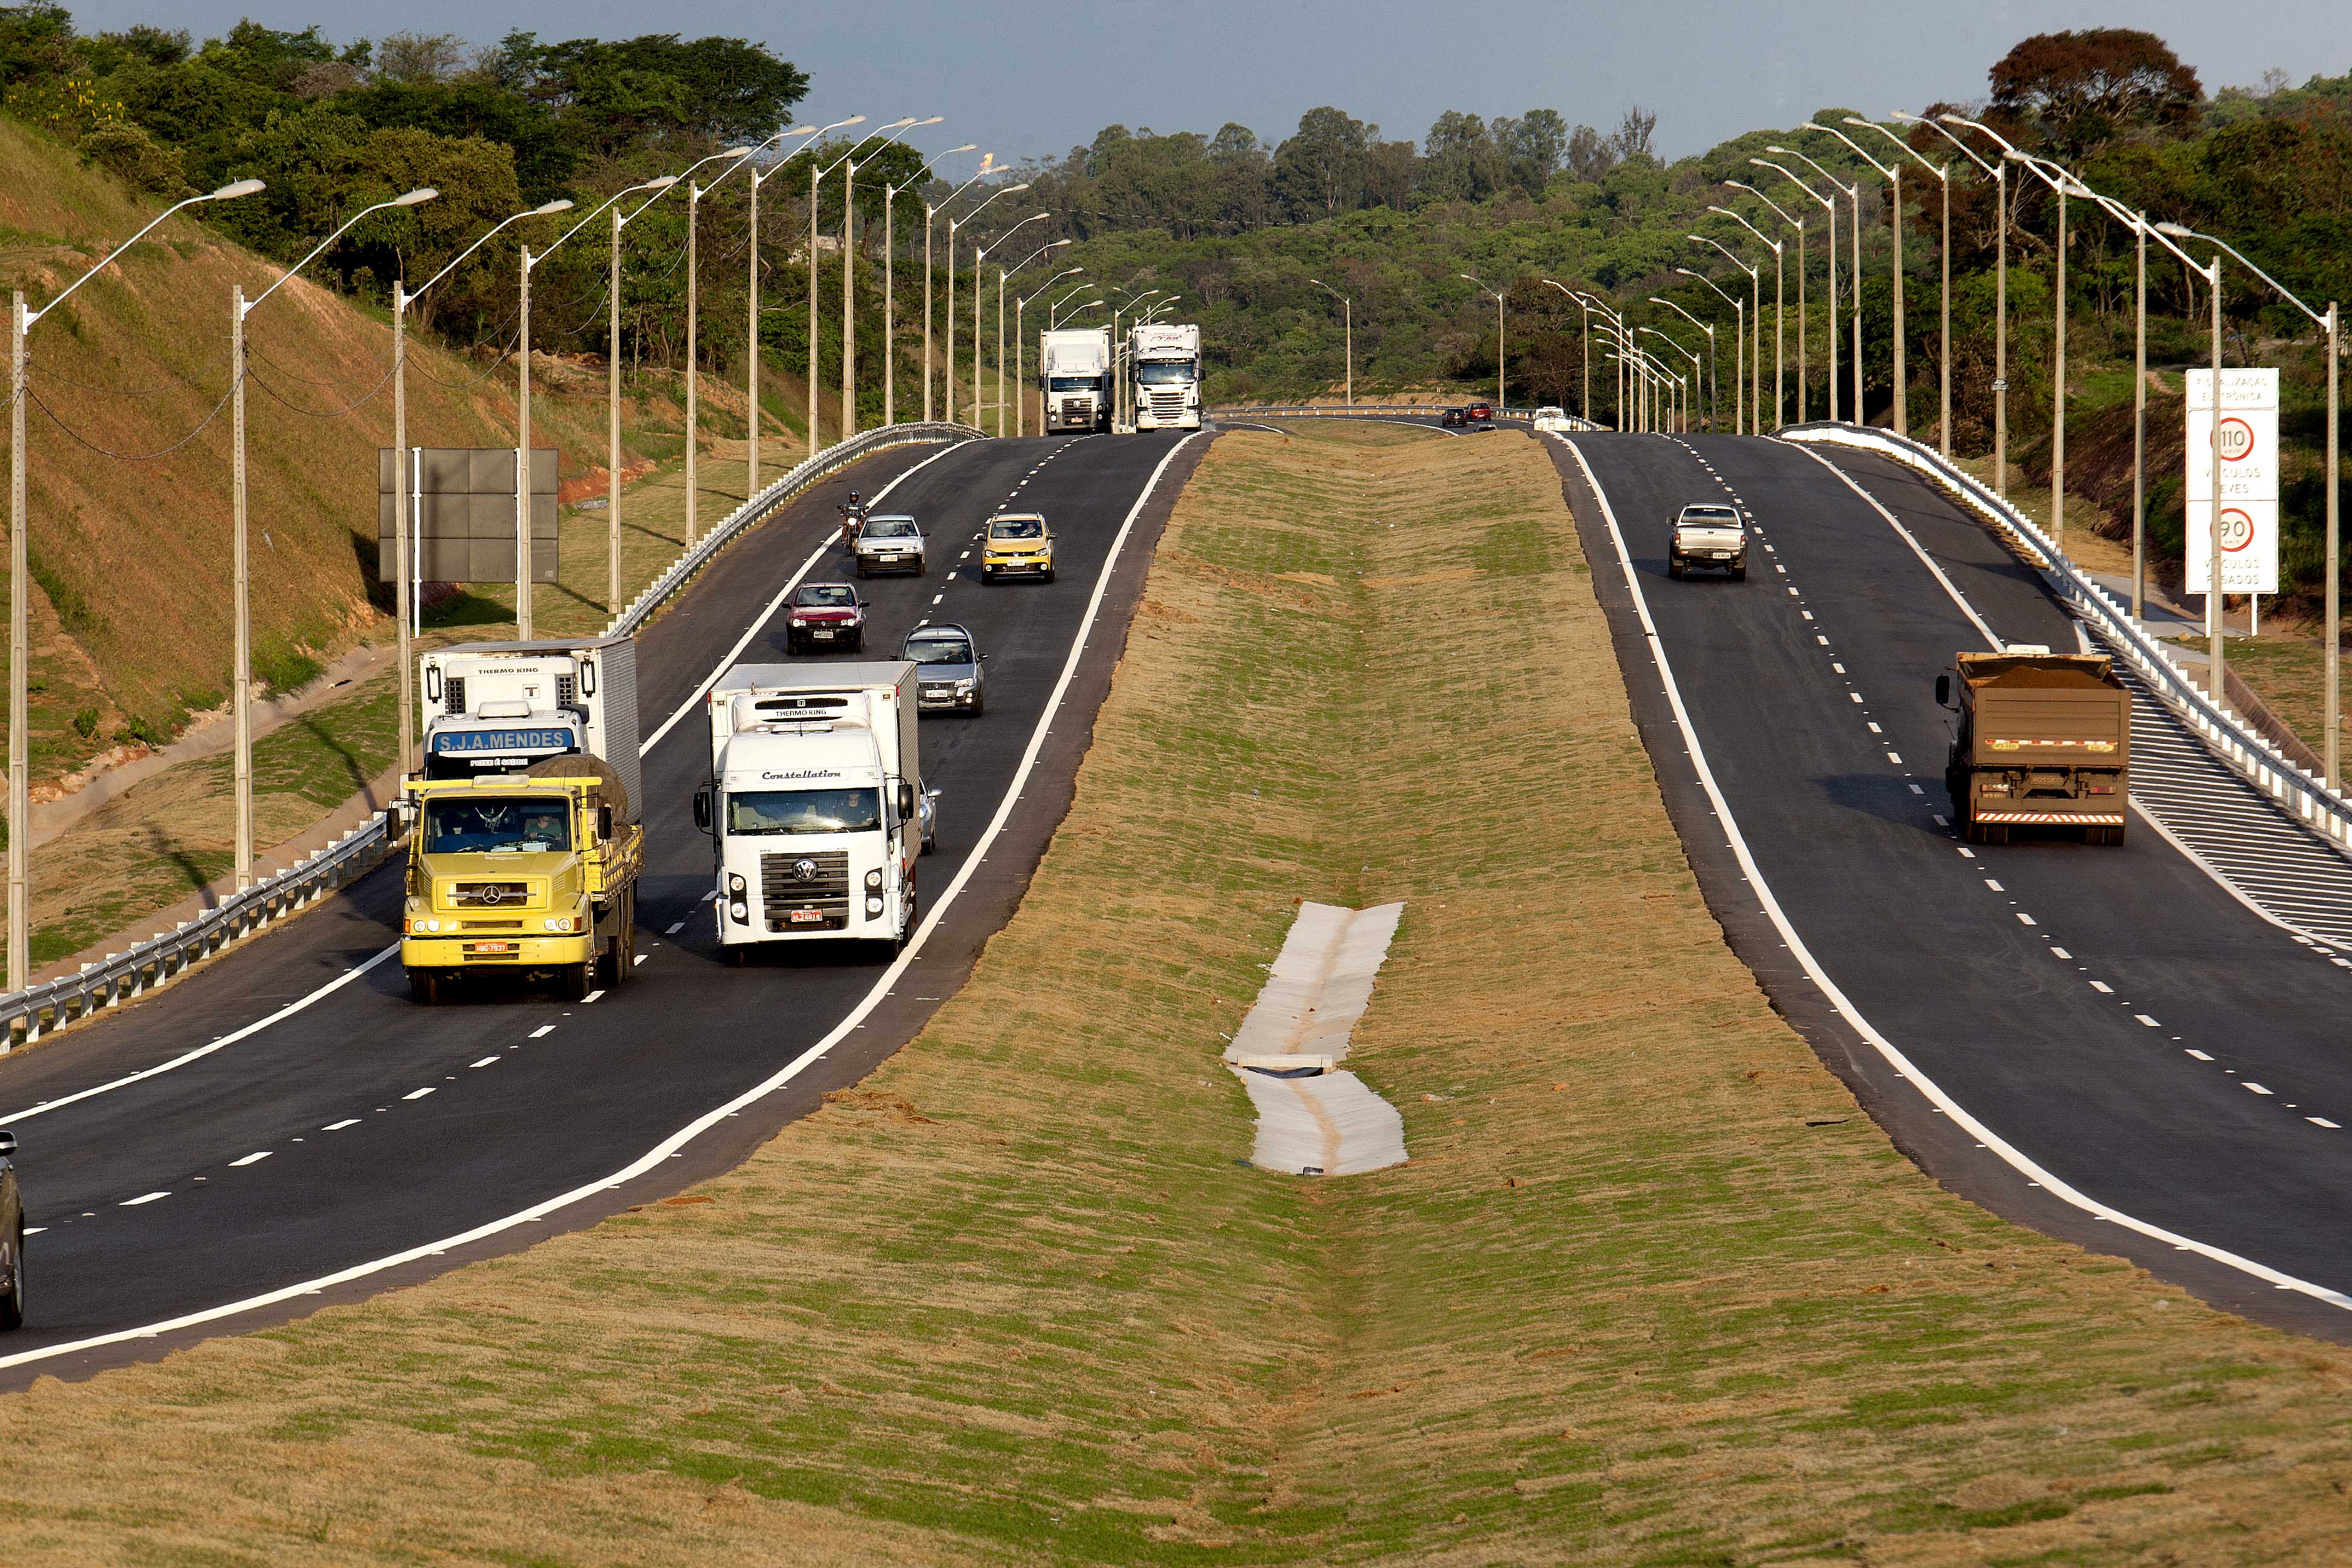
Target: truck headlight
[[559, 922], [874, 881], [873, 909], [430, 925], [742, 915], [736, 885]]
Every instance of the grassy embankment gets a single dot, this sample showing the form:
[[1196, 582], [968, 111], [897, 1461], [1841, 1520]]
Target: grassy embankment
[[1651, 1290]]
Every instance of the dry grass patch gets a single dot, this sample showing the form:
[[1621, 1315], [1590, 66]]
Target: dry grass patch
[[1020, 1297]]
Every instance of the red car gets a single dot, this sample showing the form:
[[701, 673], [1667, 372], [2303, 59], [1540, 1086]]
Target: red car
[[826, 615], [1479, 414]]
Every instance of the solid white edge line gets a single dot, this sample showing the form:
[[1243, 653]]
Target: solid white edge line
[[337, 983], [2016, 1158], [1966, 608], [728, 663], [662, 1151], [351, 974]]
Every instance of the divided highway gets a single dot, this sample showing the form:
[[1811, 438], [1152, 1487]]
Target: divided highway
[[289, 1117], [2116, 1020]]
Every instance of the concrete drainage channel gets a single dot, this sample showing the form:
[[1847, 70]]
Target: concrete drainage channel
[[1314, 1120]]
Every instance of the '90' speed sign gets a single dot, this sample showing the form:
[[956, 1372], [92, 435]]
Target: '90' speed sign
[[2249, 441]]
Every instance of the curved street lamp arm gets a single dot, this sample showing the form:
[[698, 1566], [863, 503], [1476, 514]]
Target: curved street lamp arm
[[1943, 174], [761, 177], [608, 201], [226, 193], [1884, 172], [1825, 201], [1685, 315], [1735, 304], [416, 197], [1966, 151], [2185, 232], [562, 203], [1786, 217], [1835, 184]]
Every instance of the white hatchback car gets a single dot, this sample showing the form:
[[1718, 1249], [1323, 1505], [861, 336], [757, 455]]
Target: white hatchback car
[[893, 543]]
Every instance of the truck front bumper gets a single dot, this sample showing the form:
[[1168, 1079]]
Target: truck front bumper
[[495, 951]]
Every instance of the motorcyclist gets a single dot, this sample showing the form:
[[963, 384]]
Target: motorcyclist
[[853, 518]]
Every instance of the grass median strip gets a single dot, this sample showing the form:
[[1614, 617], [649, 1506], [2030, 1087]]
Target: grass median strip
[[1652, 1289]]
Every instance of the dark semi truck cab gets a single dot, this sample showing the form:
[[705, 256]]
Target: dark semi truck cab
[[2043, 741]]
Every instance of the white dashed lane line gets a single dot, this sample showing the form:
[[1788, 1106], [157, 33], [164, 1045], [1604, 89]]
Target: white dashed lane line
[[419, 1093], [675, 928], [544, 1029], [253, 1159], [339, 1126], [485, 1061], [145, 1199], [2147, 1021], [2253, 1088]]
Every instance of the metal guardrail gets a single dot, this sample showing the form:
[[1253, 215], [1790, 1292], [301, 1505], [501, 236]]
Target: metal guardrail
[[2326, 811], [26, 1015], [1357, 411]]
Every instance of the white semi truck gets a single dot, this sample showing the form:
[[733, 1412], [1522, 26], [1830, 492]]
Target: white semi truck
[[1074, 378], [498, 708], [815, 805], [1164, 362]]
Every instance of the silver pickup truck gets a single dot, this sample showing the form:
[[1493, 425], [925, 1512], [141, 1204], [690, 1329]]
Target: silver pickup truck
[[1710, 535]]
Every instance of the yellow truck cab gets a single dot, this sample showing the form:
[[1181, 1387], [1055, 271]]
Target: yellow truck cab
[[529, 876]]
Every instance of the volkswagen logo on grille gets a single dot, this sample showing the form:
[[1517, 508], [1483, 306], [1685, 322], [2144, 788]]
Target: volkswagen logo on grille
[[805, 870], [494, 894]]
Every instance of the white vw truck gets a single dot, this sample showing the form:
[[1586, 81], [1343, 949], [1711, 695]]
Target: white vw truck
[[1074, 378], [815, 806]]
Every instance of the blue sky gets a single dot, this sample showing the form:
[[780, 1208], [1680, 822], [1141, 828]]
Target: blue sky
[[1025, 79]]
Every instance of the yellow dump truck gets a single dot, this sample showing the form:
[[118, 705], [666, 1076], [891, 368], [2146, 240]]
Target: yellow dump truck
[[2043, 741], [531, 874]]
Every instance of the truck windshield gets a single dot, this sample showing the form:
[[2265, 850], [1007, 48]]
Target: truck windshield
[[1163, 372], [785, 811], [1073, 383], [529, 826]]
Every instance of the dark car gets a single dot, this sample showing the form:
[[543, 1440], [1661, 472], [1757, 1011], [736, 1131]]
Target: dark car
[[825, 615], [948, 676], [12, 1238], [1454, 418]]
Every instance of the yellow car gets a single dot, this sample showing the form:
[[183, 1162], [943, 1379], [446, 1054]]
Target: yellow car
[[1017, 541]]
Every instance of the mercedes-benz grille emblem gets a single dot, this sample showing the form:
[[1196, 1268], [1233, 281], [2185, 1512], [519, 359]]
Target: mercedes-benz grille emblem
[[494, 894], [805, 870]]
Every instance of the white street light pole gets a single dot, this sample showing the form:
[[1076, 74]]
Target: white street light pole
[[1709, 331], [1502, 357], [1020, 398], [2059, 183], [1999, 172], [1779, 298], [848, 276], [20, 577], [979, 296], [1134, 294], [1894, 177], [1739, 415], [931, 215], [1054, 312], [613, 394], [1756, 319], [1828, 204], [240, 548], [735, 158], [848, 218], [1583, 340], [1020, 348], [2137, 223], [1690, 354], [1612, 318], [751, 298], [889, 291], [954, 224], [1944, 177], [404, 543], [1854, 194], [1349, 305]]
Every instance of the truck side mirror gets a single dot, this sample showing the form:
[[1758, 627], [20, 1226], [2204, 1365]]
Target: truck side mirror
[[587, 677], [433, 683], [603, 822], [702, 808], [905, 801], [1943, 691], [7, 1144]]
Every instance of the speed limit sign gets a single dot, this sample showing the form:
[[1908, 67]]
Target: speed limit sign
[[2247, 450]]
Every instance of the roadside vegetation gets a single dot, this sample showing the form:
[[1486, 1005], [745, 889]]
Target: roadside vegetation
[[1651, 1290]]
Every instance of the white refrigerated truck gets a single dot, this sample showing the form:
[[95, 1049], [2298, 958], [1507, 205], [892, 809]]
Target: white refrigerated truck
[[815, 805], [1074, 378], [498, 708], [1164, 362]]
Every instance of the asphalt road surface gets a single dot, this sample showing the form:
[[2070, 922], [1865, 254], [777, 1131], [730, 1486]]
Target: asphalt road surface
[[286, 1165], [2116, 1016]]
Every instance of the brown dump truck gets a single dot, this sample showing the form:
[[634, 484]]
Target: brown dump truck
[[2045, 741]]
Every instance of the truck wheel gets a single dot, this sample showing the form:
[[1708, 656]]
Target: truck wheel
[[425, 985], [2108, 835], [578, 980], [1673, 569], [1739, 573]]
